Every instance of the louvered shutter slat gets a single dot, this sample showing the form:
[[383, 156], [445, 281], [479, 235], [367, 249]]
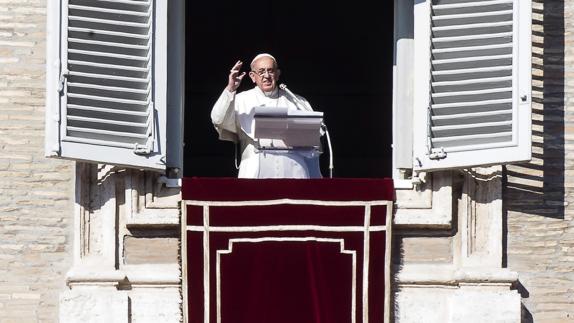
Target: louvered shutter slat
[[477, 27], [109, 88], [469, 73], [104, 110], [471, 96], [457, 4], [475, 117], [142, 15], [469, 129], [109, 25], [127, 81], [124, 96], [132, 24], [126, 69], [107, 35], [110, 46], [102, 133], [494, 140], [474, 51], [108, 121], [472, 62], [478, 83], [477, 106], [108, 99], [119, 4], [93, 52]]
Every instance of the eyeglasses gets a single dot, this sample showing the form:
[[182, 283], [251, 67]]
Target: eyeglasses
[[261, 72]]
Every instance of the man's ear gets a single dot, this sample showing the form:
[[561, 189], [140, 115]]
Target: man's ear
[[278, 73], [252, 76]]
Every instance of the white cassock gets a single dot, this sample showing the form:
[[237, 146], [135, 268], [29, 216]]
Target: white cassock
[[233, 118]]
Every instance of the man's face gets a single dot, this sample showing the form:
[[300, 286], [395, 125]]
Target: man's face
[[265, 74]]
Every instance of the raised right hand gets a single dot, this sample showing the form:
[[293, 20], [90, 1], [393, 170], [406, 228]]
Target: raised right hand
[[234, 77]]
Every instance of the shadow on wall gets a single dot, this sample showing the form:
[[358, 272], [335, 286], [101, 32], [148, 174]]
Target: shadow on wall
[[538, 188]]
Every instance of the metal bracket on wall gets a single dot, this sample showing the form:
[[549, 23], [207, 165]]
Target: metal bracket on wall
[[170, 182]]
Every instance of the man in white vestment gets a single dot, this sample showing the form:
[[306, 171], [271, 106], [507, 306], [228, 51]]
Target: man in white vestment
[[233, 118]]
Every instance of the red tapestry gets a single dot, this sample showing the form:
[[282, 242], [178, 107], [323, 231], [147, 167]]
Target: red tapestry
[[282, 251]]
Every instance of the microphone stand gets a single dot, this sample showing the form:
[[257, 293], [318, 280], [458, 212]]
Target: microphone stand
[[324, 127]]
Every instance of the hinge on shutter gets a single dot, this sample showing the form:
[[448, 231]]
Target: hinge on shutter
[[62, 81], [437, 153], [142, 149], [148, 147]]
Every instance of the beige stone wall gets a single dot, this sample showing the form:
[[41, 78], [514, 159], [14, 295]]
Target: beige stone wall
[[539, 195], [36, 197]]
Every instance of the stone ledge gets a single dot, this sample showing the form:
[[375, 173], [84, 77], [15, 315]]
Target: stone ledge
[[160, 274], [450, 275], [94, 276], [153, 220]]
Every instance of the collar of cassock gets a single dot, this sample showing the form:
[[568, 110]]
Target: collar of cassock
[[272, 94]]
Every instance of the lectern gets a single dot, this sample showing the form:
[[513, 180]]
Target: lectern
[[296, 129], [288, 140]]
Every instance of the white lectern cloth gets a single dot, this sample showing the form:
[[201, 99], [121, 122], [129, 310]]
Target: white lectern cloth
[[233, 118]]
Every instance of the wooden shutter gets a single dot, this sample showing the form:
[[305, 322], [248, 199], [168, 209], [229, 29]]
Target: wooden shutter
[[111, 82], [473, 98]]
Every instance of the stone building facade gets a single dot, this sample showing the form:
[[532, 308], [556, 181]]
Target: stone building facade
[[37, 194], [538, 196], [97, 243]]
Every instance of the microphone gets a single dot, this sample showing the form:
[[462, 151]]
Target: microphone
[[296, 100]]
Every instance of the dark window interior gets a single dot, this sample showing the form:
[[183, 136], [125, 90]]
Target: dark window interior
[[338, 55]]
